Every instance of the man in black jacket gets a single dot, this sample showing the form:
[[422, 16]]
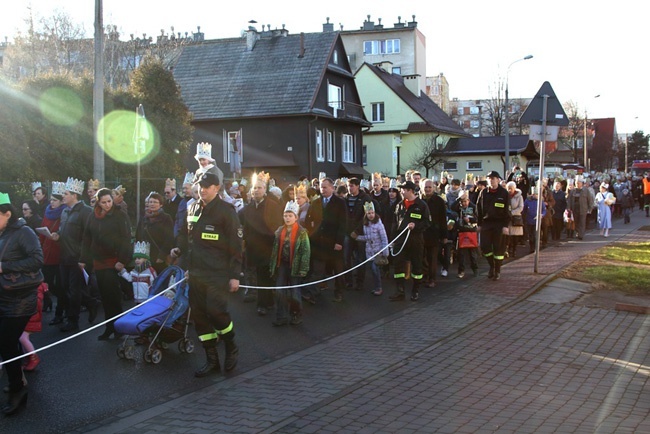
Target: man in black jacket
[[355, 251], [325, 223], [493, 216], [435, 235], [70, 237], [212, 243], [412, 213]]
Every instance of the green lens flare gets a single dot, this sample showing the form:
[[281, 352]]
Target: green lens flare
[[61, 106], [118, 133]]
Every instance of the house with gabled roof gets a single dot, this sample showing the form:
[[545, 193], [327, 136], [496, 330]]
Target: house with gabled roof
[[285, 104], [404, 119]]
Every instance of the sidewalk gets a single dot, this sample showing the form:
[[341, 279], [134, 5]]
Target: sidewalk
[[479, 358]]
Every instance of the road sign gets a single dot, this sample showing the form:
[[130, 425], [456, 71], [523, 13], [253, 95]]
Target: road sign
[[555, 114]]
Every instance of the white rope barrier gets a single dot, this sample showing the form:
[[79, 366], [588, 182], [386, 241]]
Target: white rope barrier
[[95, 326], [389, 245]]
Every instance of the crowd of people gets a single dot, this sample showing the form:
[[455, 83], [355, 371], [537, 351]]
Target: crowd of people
[[286, 245]]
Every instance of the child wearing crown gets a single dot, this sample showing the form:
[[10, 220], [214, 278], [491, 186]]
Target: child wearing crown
[[374, 234], [143, 275], [290, 264]]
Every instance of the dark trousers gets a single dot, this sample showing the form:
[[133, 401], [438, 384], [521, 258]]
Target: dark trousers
[[10, 331], [264, 296], [52, 275], [558, 225], [72, 279], [322, 265], [473, 259], [287, 301], [109, 287], [493, 242], [209, 303], [412, 253], [354, 253], [431, 253]]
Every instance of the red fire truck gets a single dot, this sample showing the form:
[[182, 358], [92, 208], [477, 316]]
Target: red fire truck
[[640, 167]]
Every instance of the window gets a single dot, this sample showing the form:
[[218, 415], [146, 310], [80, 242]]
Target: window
[[320, 154], [397, 70], [331, 156], [347, 148], [334, 96], [475, 165], [232, 143], [335, 57], [450, 166], [474, 124], [474, 110], [460, 111], [388, 46], [364, 155], [377, 112]]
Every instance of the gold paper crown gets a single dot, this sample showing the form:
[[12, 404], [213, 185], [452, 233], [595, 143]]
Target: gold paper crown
[[93, 183], [74, 185], [204, 150], [189, 177], [301, 190], [141, 249], [376, 175], [36, 185], [293, 207], [4, 199], [58, 188], [170, 183], [368, 206], [321, 176], [120, 190], [263, 176], [364, 183]]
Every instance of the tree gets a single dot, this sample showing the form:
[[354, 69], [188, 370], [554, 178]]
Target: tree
[[430, 154], [570, 135], [494, 111], [637, 149]]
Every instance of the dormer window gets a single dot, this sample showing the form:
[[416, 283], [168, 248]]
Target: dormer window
[[335, 57]]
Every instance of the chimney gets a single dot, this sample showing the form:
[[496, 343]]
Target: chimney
[[412, 83], [399, 24], [368, 25], [379, 26], [281, 32], [328, 27], [251, 38], [302, 45], [386, 65], [413, 23]]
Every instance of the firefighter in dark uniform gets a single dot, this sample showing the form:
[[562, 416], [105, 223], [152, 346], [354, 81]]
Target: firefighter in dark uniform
[[212, 244], [411, 212], [493, 215]]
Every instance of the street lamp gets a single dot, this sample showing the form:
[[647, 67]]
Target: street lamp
[[584, 145], [627, 139], [507, 116]]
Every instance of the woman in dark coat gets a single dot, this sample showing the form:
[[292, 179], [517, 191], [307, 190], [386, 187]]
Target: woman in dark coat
[[30, 214], [20, 251], [156, 228], [106, 248]]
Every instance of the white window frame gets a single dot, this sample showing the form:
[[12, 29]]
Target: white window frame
[[229, 140], [378, 113], [347, 148], [329, 147], [474, 110], [320, 149], [460, 111], [473, 123], [450, 166], [335, 96], [478, 165], [364, 155], [397, 70]]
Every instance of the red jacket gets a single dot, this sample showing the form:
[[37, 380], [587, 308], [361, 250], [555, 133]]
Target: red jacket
[[35, 323], [51, 249]]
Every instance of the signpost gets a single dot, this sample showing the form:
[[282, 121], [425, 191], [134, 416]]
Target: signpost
[[545, 116]]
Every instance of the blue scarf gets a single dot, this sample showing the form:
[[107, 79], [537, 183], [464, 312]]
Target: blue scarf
[[53, 214]]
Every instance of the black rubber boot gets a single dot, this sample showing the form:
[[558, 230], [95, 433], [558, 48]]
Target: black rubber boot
[[16, 402], [232, 352], [212, 361], [497, 269], [399, 295], [490, 260], [415, 290]]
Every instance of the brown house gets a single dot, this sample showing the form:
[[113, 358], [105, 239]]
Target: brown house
[[285, 104]]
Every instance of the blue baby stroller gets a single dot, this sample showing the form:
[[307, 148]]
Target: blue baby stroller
[[158, 322]]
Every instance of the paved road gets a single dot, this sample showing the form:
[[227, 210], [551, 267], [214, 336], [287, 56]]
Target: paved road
[[472, 356]]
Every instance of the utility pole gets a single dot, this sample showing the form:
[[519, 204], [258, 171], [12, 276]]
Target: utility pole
[[98, 93]]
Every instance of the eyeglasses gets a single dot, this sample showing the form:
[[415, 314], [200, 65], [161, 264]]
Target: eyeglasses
[[26, 209]]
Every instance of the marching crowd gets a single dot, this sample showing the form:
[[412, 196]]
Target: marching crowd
[[293, 239]]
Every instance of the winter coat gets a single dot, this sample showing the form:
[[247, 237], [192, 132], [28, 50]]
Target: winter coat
[[141, 280], [516, 208], [71, 232], [35, 323], [23, 254], [259, 222], [51, 248], [560, 204], [530, 210], [158, 231], [301, 252], [107, 239], [374, 234]]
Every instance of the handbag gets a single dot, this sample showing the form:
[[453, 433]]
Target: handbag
[[517, 220], [13, 281], [381, 260], [467, 240]]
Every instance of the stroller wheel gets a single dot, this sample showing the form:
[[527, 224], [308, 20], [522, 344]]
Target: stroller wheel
[[181, 346], [156, 356], [164, 345], [147, 356], [120, 352], [189, 345], [129, 352]]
